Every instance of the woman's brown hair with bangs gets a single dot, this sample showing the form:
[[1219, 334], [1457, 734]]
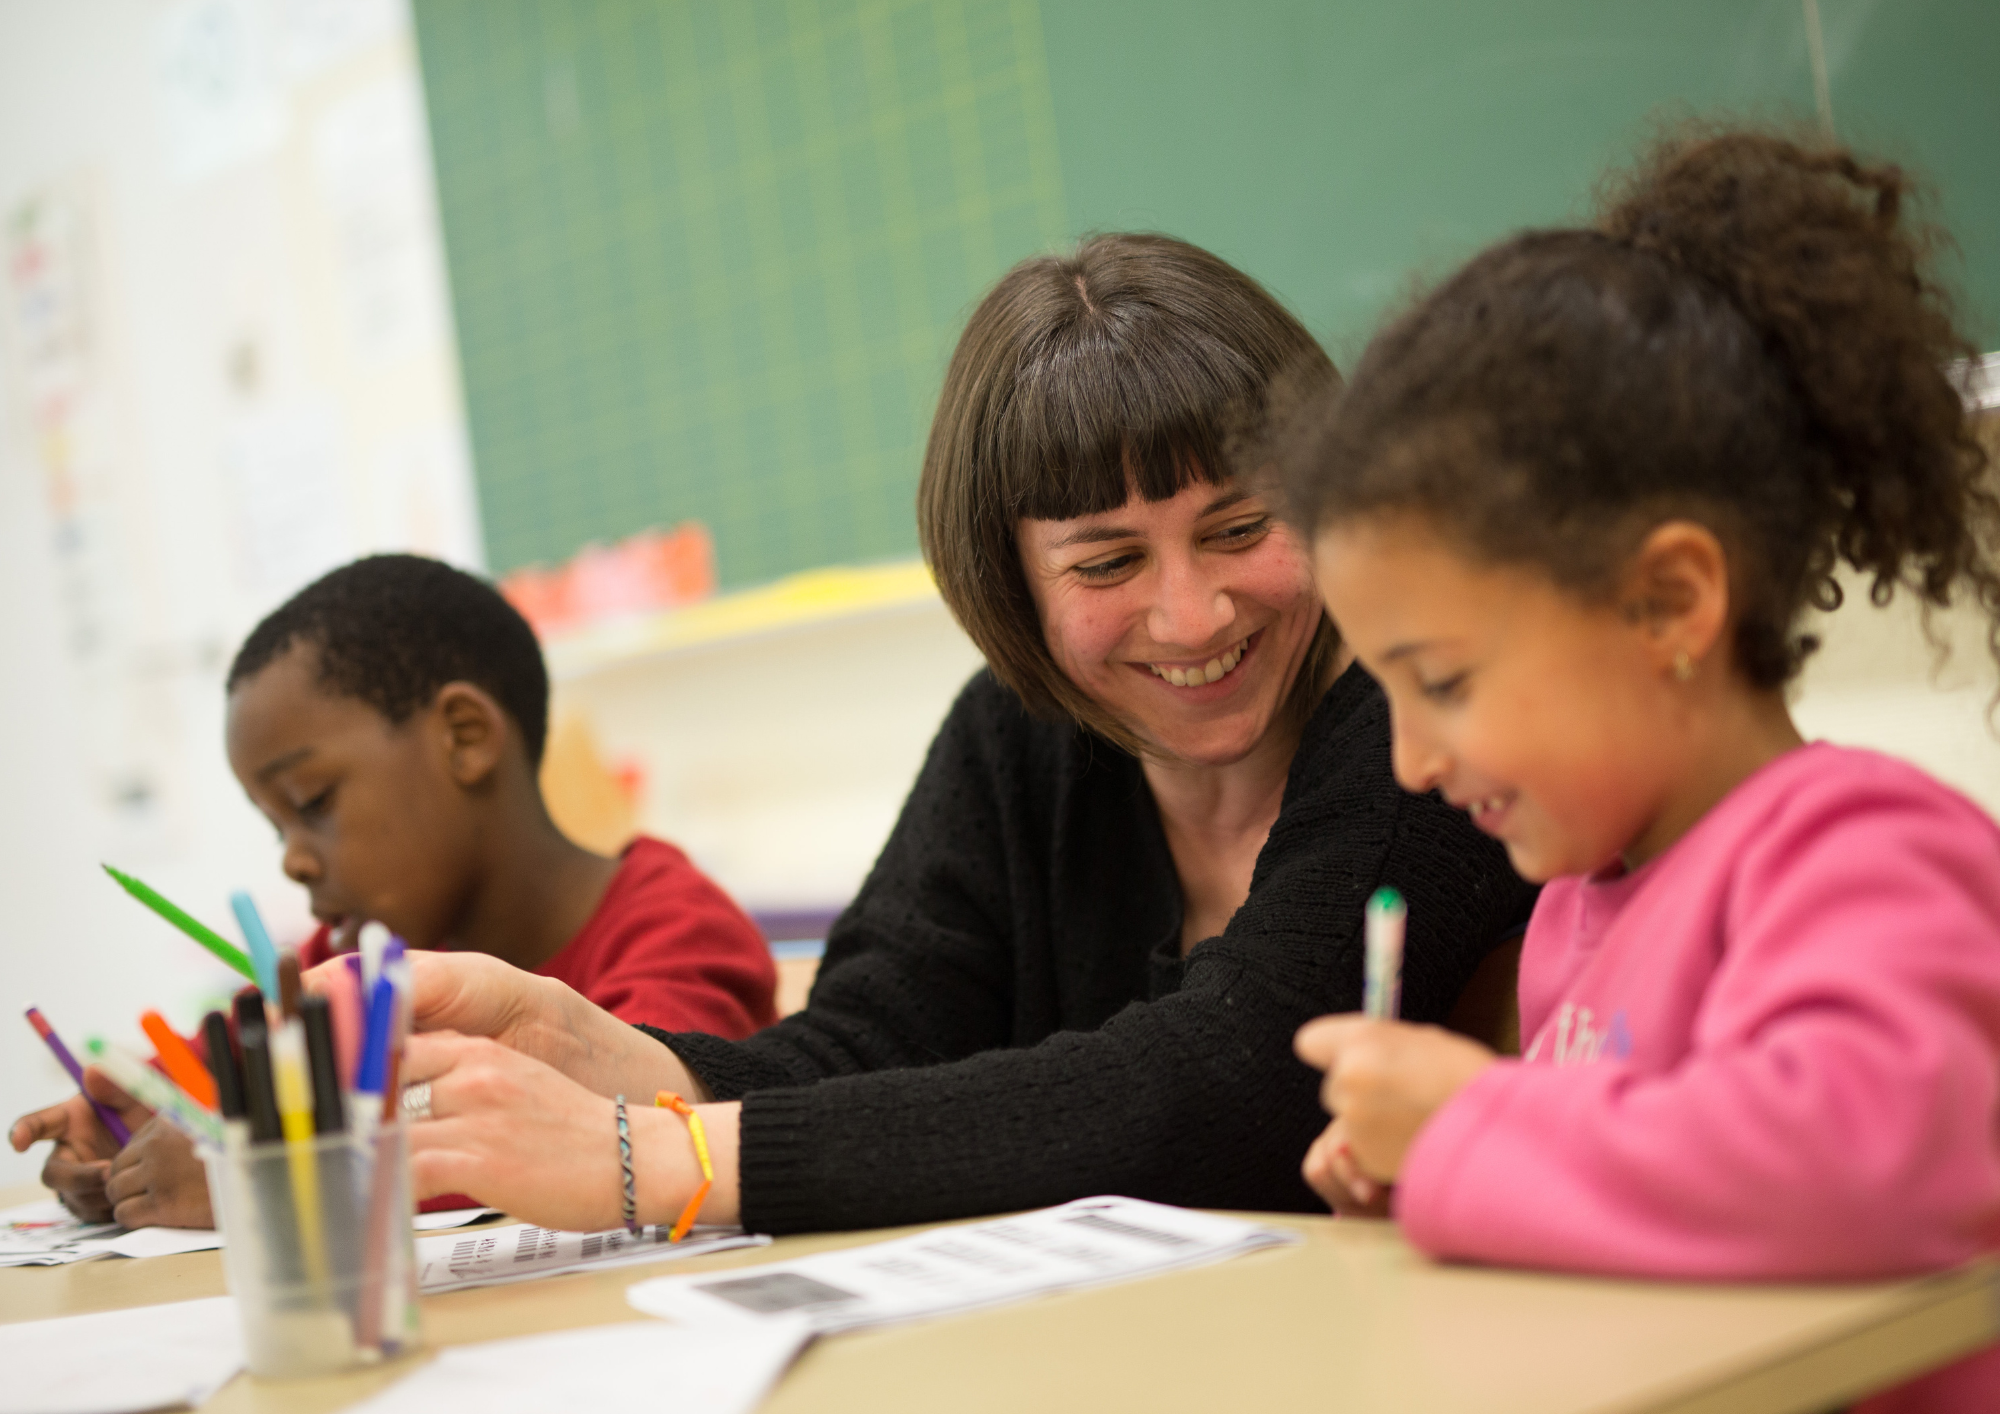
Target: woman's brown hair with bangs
[[1133, 363]]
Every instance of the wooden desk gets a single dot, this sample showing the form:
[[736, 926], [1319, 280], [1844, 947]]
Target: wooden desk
[[1353, 1321]]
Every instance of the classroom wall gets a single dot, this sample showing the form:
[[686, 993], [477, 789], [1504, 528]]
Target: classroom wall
[[226, 365], [780, 762]]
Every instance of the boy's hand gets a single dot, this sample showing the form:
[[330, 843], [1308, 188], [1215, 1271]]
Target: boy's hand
[[81, 1160], [156, 1181], [1384, 1079]]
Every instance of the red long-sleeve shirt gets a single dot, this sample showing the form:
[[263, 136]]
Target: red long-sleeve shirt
[[666, 946]]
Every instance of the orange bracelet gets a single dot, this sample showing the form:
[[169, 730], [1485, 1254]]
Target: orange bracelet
[[669, 1100]]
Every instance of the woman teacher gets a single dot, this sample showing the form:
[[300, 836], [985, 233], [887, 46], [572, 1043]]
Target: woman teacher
[[1134, 862]]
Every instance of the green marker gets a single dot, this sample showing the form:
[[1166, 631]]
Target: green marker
[[1383, 989], [207, 937]]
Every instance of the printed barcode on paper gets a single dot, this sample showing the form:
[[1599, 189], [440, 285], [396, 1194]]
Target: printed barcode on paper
[[525, 1246], [1132, 1230], [592, 1246], [775, 1292]]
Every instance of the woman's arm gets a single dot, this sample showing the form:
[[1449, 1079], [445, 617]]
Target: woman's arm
[[473, 995], [920, 968], [901, 986], [520, 1136]]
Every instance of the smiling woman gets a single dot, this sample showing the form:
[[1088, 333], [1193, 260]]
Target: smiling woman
[[1134, 862]]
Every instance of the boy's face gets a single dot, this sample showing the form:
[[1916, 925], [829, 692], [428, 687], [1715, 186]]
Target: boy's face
[[371, 820]]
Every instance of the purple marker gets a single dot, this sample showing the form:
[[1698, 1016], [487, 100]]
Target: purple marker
[[54, 1042]]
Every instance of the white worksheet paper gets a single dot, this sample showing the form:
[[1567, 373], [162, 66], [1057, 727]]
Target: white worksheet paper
[[521, 1251], [633, 1365], [121, 1362], [1091, 1242], [46, 1234], [451, 1217]]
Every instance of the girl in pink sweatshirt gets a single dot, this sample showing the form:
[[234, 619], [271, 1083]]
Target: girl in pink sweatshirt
[[1571, 512]]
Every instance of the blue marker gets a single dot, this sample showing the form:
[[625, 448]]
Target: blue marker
[[371, 1075], [263, 957]]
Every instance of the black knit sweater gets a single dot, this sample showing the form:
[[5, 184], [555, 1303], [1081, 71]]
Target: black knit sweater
[[1004, 1020]]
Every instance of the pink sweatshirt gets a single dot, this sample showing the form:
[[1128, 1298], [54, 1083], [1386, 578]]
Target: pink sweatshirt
[[1771, 1053]]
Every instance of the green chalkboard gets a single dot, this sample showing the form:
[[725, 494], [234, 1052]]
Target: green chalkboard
[[708, 257]]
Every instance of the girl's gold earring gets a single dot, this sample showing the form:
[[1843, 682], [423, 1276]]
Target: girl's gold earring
[[1683, 667]]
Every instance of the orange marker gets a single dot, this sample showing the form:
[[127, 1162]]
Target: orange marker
[[183, 1066]]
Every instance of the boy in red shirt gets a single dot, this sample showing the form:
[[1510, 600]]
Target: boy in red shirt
[[388, 720]]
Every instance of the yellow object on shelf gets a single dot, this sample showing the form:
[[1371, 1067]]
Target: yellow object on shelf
[[584, 795], [796, 601]]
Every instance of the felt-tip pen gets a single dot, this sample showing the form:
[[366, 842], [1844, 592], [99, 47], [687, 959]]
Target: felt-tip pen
[[68, 1062], [1383, 993]]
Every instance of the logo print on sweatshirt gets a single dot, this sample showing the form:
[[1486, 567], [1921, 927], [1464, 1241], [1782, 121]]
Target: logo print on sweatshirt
[[1576, 1039]]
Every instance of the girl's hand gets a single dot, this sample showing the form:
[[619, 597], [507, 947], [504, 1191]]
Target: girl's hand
[[1384, 1079], [156, 1181], [522, 1137], [81, 1160], [1332, 1173]]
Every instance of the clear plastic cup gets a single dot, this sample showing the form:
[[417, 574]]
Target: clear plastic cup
[[317, 1248]]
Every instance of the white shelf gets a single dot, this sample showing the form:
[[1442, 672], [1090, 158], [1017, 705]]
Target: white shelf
[[809, 599]]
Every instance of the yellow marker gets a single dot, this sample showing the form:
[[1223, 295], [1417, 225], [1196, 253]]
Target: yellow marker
[[295, 1114]]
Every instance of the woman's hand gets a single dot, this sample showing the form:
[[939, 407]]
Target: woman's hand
[[524, 1138], [1384, 1080], [157, 1181], [81, 1160], [474, 994], [471, 993]]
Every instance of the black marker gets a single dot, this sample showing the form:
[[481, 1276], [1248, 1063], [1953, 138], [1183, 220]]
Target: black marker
[[223, 1066], [328, 1116], [260, 1092]]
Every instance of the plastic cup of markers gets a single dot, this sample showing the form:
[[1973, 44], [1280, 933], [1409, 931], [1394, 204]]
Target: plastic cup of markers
[[317, 1249]]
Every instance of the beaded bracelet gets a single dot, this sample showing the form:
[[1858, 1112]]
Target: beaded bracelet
[[625, 1163], [670, 1100]]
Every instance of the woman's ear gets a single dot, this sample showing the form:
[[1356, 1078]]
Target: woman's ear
[[475, 731], [1677, 588]]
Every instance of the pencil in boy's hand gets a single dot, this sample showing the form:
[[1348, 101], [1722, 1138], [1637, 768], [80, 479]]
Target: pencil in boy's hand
[[207, 937], [68, 1063], [1383, 991]]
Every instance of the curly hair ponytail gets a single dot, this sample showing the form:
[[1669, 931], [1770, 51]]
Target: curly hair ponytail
[[1748, 337]]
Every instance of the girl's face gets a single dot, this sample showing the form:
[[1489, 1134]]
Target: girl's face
[[1187, 618], [1545, 718]]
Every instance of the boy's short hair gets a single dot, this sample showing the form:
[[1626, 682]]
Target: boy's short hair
[[393, 629]]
